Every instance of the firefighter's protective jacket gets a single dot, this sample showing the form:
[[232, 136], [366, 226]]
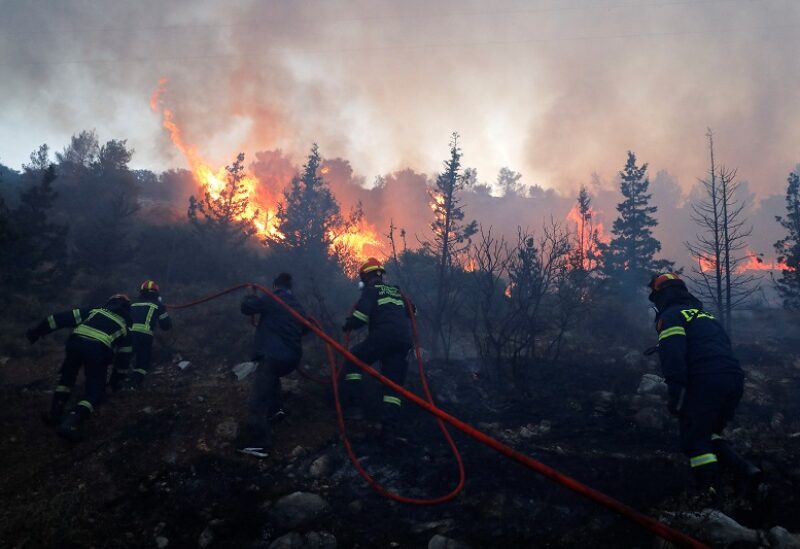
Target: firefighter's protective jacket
[[278, 334], [94, 324], [691, 342], [382, 307], [147, 313]]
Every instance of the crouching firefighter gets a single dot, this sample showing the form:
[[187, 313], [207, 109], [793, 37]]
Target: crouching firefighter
[[705, 383], [385, 311], [146, 313], [99, 338], [278, 350]]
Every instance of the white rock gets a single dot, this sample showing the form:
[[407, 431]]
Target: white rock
[[652, 383], [161, 542], [780, 538], [718, 528], [320, 467], [183, 364], [244, 369]]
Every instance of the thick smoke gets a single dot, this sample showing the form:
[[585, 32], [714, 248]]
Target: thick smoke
[[555, 90]]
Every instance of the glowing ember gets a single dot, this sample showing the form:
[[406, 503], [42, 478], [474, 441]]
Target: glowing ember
[[361, 242]]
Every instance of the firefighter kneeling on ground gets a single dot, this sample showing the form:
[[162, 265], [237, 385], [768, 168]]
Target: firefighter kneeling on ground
[[705, 383], [99, 338], [278, 352], [384, 310], [146, 313]]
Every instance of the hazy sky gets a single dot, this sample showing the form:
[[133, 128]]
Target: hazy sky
[[554, 89]]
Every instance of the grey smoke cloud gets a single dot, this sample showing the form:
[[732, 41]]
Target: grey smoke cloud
[[556, 90]]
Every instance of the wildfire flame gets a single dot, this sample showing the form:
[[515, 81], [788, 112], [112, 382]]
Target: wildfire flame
[[594, 233], [361, 241], [753, 262]]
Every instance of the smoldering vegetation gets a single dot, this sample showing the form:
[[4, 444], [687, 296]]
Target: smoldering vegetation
[[533, 317]]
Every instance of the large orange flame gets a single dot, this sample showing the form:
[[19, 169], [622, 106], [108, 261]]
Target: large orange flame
[[361, 241], [593, 235]]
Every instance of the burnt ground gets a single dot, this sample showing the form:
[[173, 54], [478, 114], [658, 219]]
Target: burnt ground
[[160, 466]]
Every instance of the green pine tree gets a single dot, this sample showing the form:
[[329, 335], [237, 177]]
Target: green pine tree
[[788, 248], [629, 259]]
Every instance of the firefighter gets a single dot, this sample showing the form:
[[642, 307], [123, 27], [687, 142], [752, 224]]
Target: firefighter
[[146, 313], [100, 337], [278, 350], [385, 311], [704, 379]]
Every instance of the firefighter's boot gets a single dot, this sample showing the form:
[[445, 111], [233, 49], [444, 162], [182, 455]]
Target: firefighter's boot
[[135, 380], [56, 413], [747, 475], [707, 485], [70, 427]]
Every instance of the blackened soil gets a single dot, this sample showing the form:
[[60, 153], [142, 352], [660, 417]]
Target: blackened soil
[[161, 463]]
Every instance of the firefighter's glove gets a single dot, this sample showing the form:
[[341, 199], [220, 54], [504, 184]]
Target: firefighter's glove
[[33, 334], [677, 395]]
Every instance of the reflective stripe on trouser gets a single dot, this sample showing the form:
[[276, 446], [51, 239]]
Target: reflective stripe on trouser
[[86, 404], [353, 377], [94, 358], [702, 459], [63, 389], [390, 399]]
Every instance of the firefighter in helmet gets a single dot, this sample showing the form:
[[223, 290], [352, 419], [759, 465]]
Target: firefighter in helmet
[[146, 313], [385, 311], [101, 336], [704, 379]]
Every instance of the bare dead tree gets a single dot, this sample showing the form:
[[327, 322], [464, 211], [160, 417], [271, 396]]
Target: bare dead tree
[[493, 322], [718, 247], [535, 271]]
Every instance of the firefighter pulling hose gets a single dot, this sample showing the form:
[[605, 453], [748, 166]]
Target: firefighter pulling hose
[[650, 524], [101, 331]]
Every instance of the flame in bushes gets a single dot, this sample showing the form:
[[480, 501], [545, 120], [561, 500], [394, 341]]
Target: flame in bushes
[[359, 242]]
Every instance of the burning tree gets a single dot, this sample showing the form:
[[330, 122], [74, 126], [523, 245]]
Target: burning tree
[[224, 218], [720, 216], [451, 238], [788, 248], [630, 257], [310, 222]]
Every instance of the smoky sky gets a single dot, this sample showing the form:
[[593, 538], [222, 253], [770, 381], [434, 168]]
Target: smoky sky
[[557, 90]]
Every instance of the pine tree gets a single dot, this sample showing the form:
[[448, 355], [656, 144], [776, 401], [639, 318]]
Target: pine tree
[[630, 257], [451, 238], [584, 254], [39, 250], [225, 219], [310, 218], [788, 248]]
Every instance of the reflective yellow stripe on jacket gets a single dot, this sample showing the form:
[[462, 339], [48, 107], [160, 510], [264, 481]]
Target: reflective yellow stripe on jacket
[[144, 328], [99, 335]]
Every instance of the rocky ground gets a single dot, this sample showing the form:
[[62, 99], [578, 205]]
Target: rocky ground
[[159, 469]]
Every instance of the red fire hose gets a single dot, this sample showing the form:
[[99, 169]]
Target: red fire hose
[[662, 530]]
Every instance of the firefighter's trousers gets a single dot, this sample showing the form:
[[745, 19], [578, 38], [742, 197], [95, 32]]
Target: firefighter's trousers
[[394, 365], [95, 358], [709, 405]]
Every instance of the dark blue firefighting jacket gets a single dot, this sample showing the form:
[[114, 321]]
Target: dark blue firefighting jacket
[[147, 313], [383, 309], [93, 324], [691, 342]]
